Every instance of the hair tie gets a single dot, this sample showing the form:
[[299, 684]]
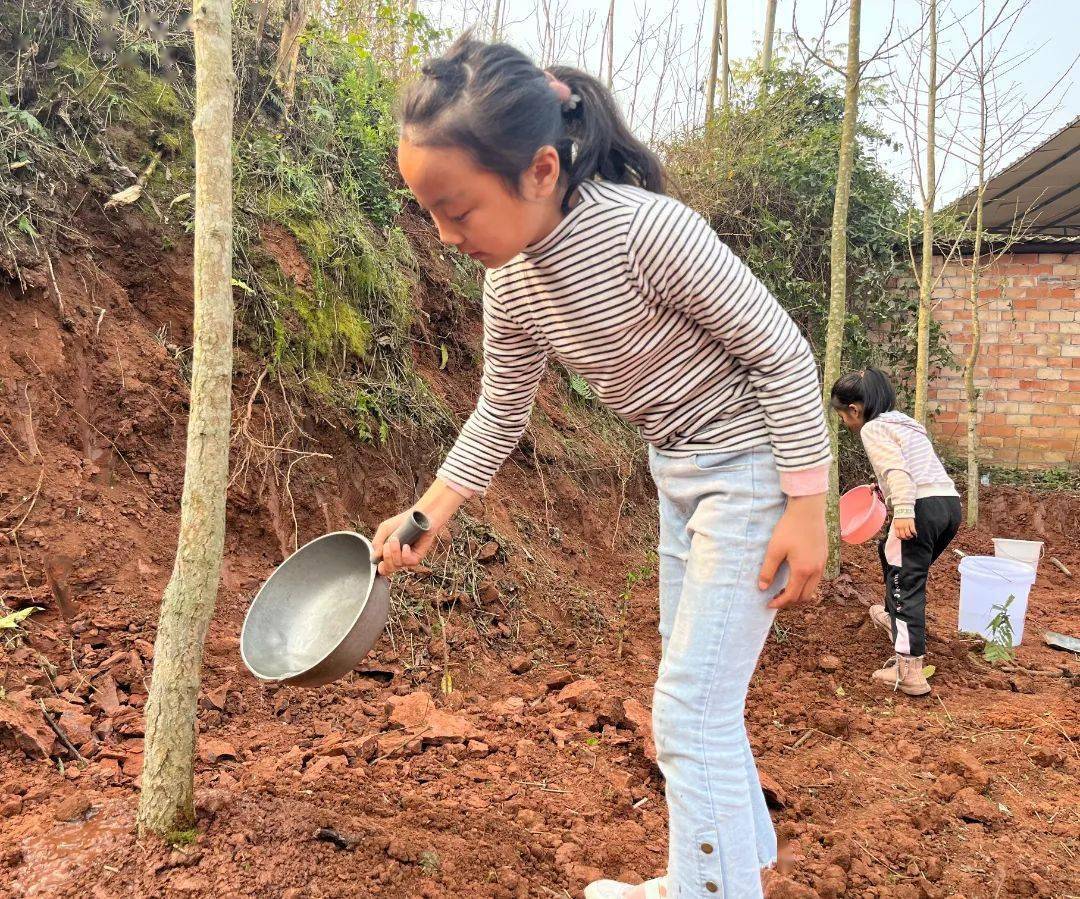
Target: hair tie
[[567, 98]]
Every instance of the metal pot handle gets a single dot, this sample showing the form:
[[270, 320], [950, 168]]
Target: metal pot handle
[[413, 528], [409, 531]]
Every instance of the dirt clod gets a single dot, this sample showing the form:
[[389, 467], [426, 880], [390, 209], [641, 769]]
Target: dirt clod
[[968, 805], [829, 663], [74, 808], [521, 664]]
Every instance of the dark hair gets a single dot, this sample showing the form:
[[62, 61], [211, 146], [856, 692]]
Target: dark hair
[[870, 387], [493, 101]]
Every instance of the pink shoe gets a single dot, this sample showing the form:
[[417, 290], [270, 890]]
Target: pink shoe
[[880, 616], [904, 673]]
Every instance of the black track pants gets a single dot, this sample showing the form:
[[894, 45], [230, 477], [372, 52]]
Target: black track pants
[[937, 519]]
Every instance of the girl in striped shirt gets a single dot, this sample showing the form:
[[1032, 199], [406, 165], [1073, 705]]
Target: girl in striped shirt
[[926, 516], [534, 174]]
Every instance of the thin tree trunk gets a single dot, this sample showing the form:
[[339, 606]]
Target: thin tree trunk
[[260, 26], [297, 16], [166, 803], [973, 300], [496, 21], [969, 364], [770, 29], [725, 51], [834, 339], [662, 79], [922, 361], [714, 58], [611, 45]]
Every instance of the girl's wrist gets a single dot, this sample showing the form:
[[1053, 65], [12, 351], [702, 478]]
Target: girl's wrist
[[813, 502], [440, 503]]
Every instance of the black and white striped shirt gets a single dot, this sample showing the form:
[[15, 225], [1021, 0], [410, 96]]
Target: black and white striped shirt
[[636, 293]]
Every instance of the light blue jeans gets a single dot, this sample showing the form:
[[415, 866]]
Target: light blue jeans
[[717, 514]]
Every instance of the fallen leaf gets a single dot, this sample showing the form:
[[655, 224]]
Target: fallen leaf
[[12, 620], [124, 197], [928, 671]]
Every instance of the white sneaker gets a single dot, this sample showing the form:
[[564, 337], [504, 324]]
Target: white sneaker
[[614, 889]]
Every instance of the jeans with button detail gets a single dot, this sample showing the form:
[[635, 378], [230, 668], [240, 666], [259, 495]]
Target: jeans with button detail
[[717, 514]]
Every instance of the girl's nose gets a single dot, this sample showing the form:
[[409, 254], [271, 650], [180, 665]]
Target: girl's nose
[[449, 235]]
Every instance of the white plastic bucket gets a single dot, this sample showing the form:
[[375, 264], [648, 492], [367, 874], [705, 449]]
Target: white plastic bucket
[[1027, 551], [987, 582]]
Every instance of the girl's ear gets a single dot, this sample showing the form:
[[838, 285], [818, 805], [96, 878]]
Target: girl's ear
[[539, 180]]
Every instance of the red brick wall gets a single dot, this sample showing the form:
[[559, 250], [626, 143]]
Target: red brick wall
[[1029, 362]]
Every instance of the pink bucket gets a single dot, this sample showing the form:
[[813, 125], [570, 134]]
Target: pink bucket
[[862, 513]]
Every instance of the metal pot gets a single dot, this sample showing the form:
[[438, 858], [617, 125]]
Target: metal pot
[[322, 609]]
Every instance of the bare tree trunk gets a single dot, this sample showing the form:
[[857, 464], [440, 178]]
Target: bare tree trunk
[[770, 29], [725, 50], [714, 58], [611, 45], [969, 366], [922, 360], [167, 800], [496, 21], [297, 15], [834, 339], [260, 26], [973, 300], [662, 79]]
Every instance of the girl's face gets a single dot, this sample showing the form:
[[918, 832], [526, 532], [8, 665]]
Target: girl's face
[[851, 416], [474, 209]]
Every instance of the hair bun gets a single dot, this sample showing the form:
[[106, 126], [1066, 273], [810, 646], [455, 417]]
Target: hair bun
[[450, 70]]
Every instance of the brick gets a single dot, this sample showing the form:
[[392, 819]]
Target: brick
[[1049, 374], [1062, 315], [1052, 258], [1071, 352]]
